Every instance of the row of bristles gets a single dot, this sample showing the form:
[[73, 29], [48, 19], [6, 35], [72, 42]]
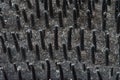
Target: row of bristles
[[50, 12], [47, 67], [66, 46]]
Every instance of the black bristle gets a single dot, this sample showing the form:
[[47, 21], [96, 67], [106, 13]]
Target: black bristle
[[24, 15], [104, 21], [64, 8], [76, 6], [23, 53], [2, 21], [9, 54], [60, 17], [17, 9], [3, 44], [37, 9], [88, 74], [73, 72], [89, 23], [4, 74], [19, 75], [51, 11], [82, 39], [104, 6], [48, 70], [15, 41], [46, 19], [94, 39], [56, 37], [37, 52], [29, 41], [93, 54], [99, 75], [15, 67], [50, 51], [78, 53], [46, 5], [109, 2], [69, 42], [32, 18], [18, 21], [75, 18], [111, 71], [118, 24], [90, 7], [117, 76], [61, 71], [65, 51], [42, 40], [33, 73], [107, 40], [106, 56]]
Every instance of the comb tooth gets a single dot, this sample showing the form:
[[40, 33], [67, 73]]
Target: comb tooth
[[23, 52], [93, 4], [84, 67], [37, 52], [109, 2], [56, 37], [18, 21], [19, 75], [51, 51], [64, 8], [4, 74], [29, 4], [5, 36], [89, 19], [3, 44], [65, 51], [74, 17], [73, 72], [28, 65], [116, 9], [2, 21], [17, 9], [42, 40], [37, 8], [15, 42], [58, 3], [32, 18], [61, 71], [9, 54], [88, 74], [33, 73], [94, 40], [15, 67], [106, 56], [51, 11], [82, 39], [107, 40], [69, 45], [80, 3], [111, 71], [76, 6], [60, 17], [104, 6], [118, 24], [104, 21], [99, 75], [29, 41], [93, 54], [46, 19], [78, 53], [10, 3], [46, 5], [24, 15], [117, 76], [48, 70], [90, 7]]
